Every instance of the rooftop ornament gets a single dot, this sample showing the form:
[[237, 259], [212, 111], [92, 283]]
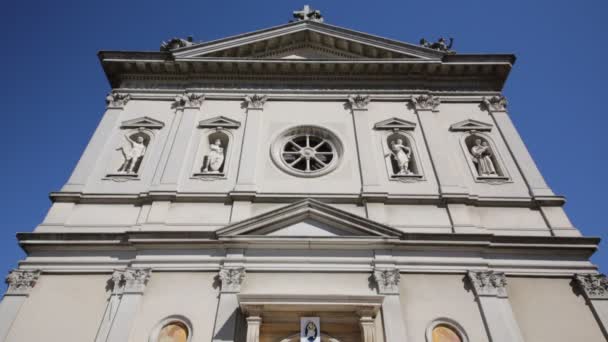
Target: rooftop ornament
[[308, 14], [176, 43], [440, 45]]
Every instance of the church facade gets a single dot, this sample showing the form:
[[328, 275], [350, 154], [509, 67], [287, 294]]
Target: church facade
[[305, 182]]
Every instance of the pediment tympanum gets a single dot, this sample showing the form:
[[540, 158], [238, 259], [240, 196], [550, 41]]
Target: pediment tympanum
[[395, 123], [219, 122], [471, 125], [143, 122], [308, 218]]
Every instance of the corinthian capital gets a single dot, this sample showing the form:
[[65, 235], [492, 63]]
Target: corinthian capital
[[426, 102], [387, 280], [232, 278], [117, 100], [495, 103], [20, 282], [358, 102], [192, 100], [488, 283], [132, 280], [594, 286], [255, 101]]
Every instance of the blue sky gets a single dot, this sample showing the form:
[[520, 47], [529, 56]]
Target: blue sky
[[53, 88]]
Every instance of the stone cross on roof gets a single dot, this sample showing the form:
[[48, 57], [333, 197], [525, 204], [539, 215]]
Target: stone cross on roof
[[308, 14]]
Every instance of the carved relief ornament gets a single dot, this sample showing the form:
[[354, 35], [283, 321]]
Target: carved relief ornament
[[426, 102], [496, 103], [488, 283], [358, 102], [255, 101], [117, 100], [20, 282], [192, 100], [387, 280], [231, 278], [594, 286]]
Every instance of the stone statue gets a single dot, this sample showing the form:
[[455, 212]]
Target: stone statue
[[215, 158], [440, 44], [311, 331], [176, 43], [308, 14], [482, 157], [402, 156], [132, 156]]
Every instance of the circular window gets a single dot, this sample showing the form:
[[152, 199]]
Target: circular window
[[307, 151]]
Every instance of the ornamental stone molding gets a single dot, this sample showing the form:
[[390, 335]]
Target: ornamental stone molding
[[593, 286], [232, 278], [387, 280], [20, 282], [426, 102], [189, 100], [358, 102], [488, 283], [255, 101], [496, 103], [133, 280], [117, 100]]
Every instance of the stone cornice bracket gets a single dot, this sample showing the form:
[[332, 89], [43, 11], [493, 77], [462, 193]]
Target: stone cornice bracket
[[255, 102], [488, 283], [358, 102], [117, 100], [189, 100], [496, 103], [130, 280], [387, 280], [593, 286], [426, 102], [21, 282], [232, 278]]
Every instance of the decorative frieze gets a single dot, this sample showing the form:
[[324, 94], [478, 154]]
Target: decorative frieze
[[496, 103], [488, 283], [20, 282], [231, 278], [426, 102], [387, 280], [594, 286], [255, 101], [358, 102], [189, 100], [117, 100]]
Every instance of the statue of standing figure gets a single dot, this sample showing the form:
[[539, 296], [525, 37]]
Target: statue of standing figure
[[215, 158], [402, 156], [482, 157], [132, 156]]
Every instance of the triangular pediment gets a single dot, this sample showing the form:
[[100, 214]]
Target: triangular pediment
[[143, 122], [471, 125], [308, 218], [219, 122], [307, 40], [395, 124]]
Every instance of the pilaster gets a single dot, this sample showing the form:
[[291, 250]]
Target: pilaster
[[595, 289], [231, 278], [20, 283], [387, 281], [491, 294], [253, 328]]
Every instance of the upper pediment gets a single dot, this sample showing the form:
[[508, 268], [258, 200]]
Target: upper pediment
[[308, 218], [307, 40]]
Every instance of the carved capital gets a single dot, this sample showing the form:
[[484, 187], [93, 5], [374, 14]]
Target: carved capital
[[189, 100], [387, 280], [495, 103], [231, 278], [358, 102], [255, 101], [593, 286], [131, 280], [488, 283], [20, 282], [117, 100], [426, 102]]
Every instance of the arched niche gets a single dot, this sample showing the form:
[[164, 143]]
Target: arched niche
[[445, 330], [401, 156], [483, 158], [129, 156], [175, 328], [213, 155]]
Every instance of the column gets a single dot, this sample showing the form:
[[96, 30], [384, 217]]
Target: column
[[246, 179], [253, 328], [491, 294], [497, 107], [133, 282], [20, 283], [228, 308], [187, 108], [387, 280], [116, 103], [369, 172], [368, 328], [595, 289]]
